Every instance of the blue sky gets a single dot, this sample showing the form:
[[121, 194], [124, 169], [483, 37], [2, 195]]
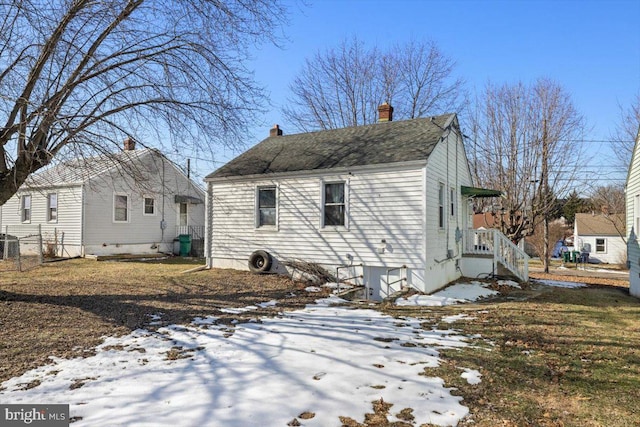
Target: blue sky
[[592, 48]]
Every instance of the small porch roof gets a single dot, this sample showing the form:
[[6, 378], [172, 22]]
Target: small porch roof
[[479, 192], [187, 199]]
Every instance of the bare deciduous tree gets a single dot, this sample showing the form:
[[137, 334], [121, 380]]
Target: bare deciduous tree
[[78, 76], [523, 142], [344, 86], [626, 131]]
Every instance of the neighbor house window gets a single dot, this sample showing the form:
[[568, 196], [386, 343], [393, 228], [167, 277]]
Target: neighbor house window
[[183, 217], [120, 208], [601, 245], [52, 207], [334, 209], [266, 206], [441, 205], [26, 208], [149, 206], [452, 201]]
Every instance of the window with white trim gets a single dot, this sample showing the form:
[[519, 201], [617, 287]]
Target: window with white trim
[[440, 205], [267, 206], [25, 208], [601, 245], [52, 207], [149, 206], [120, 208], [452, 201], [334, 204], [183, 215]]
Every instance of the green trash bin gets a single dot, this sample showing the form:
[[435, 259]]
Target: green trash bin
[[185, 244], [565, 256]]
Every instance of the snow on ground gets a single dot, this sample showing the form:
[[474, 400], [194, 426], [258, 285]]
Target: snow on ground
[[472, 376], [332, 361], [560, 284], [454, 294], [509, 283]]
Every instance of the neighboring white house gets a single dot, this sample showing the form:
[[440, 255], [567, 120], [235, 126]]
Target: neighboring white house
[[600, 235], [135, 202], [385, 204], [632, 199]]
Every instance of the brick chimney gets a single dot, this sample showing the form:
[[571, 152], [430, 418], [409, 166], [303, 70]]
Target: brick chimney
[[129, 144], [385, 112], [275, 131]]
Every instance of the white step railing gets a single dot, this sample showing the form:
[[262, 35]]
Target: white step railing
[[493, 242]]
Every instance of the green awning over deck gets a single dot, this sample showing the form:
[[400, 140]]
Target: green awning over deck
[[479, 192]]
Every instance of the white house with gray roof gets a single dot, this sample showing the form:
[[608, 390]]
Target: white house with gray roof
[[632, 202], [132, 202], [385, 205]]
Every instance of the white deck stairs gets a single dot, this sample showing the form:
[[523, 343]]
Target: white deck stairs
[[502, 250]]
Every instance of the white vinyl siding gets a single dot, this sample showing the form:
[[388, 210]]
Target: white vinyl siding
[[384, 205]]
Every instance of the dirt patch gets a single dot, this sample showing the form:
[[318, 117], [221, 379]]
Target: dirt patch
[[65, 309]]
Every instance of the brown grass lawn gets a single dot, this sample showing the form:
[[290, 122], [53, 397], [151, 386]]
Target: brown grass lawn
[[548, 356], [63, 309]]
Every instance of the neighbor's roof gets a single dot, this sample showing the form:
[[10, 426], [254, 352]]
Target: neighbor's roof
[[79, 170], [600, 225], [380, 143]]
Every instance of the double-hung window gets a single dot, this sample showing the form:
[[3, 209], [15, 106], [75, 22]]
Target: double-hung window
[[601, 245], [120, 208], [441, 196], [149, 206], [25, 208], [267, 202], [52, 207], [334, 208]]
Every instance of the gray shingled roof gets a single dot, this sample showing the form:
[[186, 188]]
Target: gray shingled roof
[[79, 170], [380, 143], [600, 225]]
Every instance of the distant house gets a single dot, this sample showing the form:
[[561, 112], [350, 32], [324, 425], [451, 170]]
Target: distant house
[[133, 202], [601, 236], [632, 202], [385, 205]]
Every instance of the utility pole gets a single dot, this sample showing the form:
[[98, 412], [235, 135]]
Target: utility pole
[[188, 168]]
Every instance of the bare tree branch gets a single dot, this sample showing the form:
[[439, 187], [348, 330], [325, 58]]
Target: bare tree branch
[[80, 75]]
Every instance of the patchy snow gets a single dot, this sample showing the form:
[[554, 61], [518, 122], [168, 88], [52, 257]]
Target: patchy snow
[[454, 294], [560, 284], [332, 361], [456, 318], [472, 376], [509, 283], [312, 289]]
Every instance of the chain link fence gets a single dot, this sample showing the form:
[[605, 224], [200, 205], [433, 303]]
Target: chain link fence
[[21, 247]]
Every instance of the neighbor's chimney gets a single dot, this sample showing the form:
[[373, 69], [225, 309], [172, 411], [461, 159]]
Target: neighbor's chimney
[[129, 144], [275, 131], [385, 113]]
